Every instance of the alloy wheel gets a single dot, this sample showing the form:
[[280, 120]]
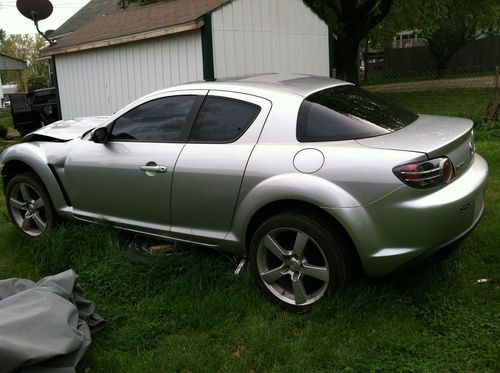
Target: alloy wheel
[[292, 266], [28, 209]]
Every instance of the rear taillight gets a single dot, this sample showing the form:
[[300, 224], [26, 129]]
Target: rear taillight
[[426, 174]]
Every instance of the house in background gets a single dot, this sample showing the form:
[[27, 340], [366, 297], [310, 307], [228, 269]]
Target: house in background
[[106, 57], [408, 39], [8, 63]]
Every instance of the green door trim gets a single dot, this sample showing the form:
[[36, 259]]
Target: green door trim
[[207, 48]]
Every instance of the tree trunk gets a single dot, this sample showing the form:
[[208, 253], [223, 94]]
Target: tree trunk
[[345, 54]]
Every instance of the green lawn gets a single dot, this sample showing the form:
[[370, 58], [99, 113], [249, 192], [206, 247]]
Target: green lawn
[[5, 122], [192, 314], [468, 103]]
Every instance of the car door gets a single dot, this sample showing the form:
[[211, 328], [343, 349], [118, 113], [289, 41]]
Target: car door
[[210, 168], [127, 179]]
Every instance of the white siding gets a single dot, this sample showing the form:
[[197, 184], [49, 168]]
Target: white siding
[[263, 36], [103, 80]]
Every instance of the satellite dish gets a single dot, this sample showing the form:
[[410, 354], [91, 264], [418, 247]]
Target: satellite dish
[[36, 10]]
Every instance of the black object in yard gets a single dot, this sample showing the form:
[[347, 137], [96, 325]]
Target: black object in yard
[[33, 110]]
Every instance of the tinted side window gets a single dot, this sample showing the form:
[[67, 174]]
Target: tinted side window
[[223, 120], [159, 120], [346, 113]]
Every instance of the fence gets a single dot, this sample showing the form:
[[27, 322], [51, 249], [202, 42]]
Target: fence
[[472, 56]]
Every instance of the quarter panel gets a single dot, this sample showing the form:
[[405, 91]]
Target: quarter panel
[[410, 221], [291, 186], [34, 155], [351, 176]]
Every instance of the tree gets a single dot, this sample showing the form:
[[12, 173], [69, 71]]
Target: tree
[[351, 21], [450, 24], [446, 24], [26, 48]]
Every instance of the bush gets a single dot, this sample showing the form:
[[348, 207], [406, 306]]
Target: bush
[[3, 131]]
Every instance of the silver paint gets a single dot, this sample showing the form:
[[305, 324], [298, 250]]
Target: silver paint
[[308, 161], [208, 193]]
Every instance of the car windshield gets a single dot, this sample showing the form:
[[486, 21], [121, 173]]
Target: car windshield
[[348, 112]]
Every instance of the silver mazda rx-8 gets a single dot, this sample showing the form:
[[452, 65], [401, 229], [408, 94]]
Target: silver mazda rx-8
[[311, 178]]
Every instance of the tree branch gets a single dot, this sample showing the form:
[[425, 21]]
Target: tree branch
[[384, 7], [366, 7]]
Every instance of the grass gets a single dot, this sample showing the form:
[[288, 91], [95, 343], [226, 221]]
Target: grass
[[466, 103], [5, 123], [192, 314], [6, 118]]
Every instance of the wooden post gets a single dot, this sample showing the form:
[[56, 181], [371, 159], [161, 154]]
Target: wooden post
[[23, 81]]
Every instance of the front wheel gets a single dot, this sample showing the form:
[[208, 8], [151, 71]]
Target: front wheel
[[297, 259], [29, 205]]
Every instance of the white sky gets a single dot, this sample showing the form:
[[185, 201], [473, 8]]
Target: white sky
[[14, 22]]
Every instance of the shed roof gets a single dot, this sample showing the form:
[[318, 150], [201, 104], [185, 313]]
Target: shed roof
[[135, 23], [92, 10], [11, 63]]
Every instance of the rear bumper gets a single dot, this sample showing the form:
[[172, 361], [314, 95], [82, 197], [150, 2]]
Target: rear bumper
[[436, 252], [409, 225]]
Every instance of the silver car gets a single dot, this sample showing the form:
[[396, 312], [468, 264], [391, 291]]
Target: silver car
[[311, 178]]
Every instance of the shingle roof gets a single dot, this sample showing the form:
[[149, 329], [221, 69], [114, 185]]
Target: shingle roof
[[92, 10], [11, 63], [134, 21]]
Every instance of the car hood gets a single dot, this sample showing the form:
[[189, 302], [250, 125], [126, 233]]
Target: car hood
[[65, 130]]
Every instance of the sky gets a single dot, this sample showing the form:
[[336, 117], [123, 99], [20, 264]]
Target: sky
[[14, 22]]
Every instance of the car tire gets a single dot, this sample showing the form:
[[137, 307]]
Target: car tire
[[296, 259], [29, 205]]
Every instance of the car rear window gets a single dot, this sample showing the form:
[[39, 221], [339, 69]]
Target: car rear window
[[347, 113]]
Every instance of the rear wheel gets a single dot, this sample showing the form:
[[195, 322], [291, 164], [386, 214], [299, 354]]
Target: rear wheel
[[29, 205], [297, 259]]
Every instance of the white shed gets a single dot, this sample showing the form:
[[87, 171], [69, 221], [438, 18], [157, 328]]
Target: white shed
[[108, 60]]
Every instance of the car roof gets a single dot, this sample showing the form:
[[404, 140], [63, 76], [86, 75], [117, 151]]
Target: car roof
[[296, 84]]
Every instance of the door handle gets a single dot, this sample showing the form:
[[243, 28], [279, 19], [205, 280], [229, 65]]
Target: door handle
[[159, 169]]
